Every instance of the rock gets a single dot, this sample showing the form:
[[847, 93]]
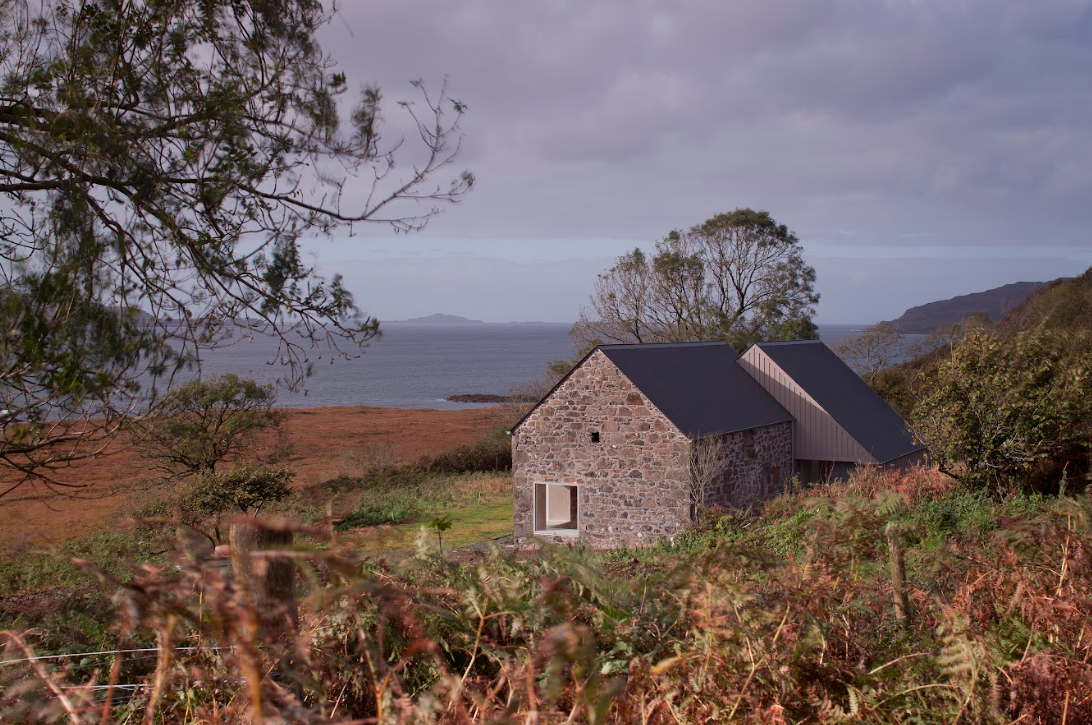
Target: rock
[[488, 398]]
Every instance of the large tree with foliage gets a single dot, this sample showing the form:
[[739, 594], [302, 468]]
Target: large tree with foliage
[[998, 409], [159, 164], [739, 277]]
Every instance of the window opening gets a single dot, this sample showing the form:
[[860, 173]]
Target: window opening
[[556, 508], [749, 445], [595, 436]]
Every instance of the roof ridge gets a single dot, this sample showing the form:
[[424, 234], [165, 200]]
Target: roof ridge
[[788, 342], [635, 345]]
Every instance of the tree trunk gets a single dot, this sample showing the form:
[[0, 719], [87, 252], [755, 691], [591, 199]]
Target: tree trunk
[[270, 581]]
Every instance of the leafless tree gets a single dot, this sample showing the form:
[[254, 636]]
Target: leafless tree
[[877, 348], [707, 465]]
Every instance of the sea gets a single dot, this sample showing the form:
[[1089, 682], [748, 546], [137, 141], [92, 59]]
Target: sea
[[419, 365]]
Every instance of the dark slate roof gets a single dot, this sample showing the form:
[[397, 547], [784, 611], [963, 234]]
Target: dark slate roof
[[699, 386], [844, 395]]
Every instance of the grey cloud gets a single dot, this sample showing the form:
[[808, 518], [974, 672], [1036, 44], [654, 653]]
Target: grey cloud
[[860, 121]]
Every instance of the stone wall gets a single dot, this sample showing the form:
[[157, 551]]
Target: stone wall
[[754, 465], [633, 482]]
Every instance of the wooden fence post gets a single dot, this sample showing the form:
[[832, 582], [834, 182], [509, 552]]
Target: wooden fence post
[[898, 575], [271, 581]]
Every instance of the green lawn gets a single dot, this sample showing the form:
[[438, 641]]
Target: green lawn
[[389, 518], [473, 525]]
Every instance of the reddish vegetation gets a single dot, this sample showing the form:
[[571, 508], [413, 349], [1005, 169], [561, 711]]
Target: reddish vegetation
[[320, 438], [788, 617]]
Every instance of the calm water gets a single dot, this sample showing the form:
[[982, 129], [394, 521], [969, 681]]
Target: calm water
[[419, 365]]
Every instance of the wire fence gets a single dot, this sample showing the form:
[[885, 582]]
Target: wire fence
[[123, 692], [70, 655]]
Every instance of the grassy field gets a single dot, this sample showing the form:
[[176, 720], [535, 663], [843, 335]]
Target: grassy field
[[383, 514]]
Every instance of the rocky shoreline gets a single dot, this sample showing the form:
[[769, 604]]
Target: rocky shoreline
[[489, 398]]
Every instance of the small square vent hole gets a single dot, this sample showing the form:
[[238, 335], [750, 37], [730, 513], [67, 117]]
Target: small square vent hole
[[595, 436]]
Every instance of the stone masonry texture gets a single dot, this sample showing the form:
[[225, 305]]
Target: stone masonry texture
[[634, 483], [748, 472]]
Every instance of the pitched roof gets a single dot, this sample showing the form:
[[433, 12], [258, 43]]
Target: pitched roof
[[698, 386], [844, 395]]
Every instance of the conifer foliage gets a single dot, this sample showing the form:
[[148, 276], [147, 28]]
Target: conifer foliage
[[160, 163]]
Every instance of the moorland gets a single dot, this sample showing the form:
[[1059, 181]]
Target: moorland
[[922, 596]]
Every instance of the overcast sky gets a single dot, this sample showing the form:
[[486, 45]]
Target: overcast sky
[[920, 149]]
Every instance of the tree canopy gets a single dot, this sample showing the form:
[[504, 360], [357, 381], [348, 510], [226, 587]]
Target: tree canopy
[[739, 277], [159, 164], [202, 423], [201, 501]]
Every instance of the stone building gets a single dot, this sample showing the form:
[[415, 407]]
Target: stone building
[[626, 446]]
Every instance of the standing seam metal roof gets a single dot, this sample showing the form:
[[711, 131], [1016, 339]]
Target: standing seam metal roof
[[845, 396], [699, 386]]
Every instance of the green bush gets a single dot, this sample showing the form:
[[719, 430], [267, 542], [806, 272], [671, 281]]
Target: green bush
[[393, 510], [492, 452], [1000, 410], [201, 501], [963, 514], [245, 488]]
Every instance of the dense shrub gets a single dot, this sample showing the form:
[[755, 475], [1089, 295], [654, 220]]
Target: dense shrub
[[492, 452], [246, 488], [999, 410], [202, 501]]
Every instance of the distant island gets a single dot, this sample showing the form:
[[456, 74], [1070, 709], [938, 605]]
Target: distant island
[[994, 303], [442, 319]]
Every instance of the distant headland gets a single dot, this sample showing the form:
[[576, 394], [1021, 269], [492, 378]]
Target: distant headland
[[994, 303]]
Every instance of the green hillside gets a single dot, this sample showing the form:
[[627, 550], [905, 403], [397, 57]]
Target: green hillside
[[993, 303], [1063, 305]]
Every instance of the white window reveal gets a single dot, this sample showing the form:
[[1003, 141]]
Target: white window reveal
[[556, 509]]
